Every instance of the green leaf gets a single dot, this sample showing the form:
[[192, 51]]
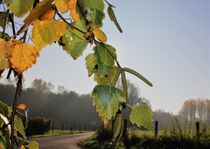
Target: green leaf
[[33, 145], [113, 17], [95, 17], [20, 7], [19, 127], [7, 1], [4, 109], [108, 100], [91, 63], [138, 75], [109, 79], [105, 54], [141, 115], [95, 4], [74, 42], [3, 15]]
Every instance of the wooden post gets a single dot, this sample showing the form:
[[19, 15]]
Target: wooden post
[[53, 126], [197, 124], [156, 129], [62, 126]]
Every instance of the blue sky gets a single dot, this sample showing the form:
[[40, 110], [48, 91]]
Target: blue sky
[[166, 41]]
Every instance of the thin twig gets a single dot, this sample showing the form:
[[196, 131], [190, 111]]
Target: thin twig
[[69, 24], [13, 25], [14, 108]]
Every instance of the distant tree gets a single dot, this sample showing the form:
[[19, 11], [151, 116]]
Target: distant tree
[[43, 86], [196, 109], [61, 89]]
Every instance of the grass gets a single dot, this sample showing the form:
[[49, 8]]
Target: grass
[[57, 133], [167, 139]]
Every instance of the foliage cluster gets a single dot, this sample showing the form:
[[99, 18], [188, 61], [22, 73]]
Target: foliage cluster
[[44, 21]]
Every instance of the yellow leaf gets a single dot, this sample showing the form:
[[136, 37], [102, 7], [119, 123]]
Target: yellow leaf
[[62, 5], [21, 106], [22, 147], [49, 15], [73, 12], [4, 52], [99, 34], [36, 13], [22, 56], [47, 31]]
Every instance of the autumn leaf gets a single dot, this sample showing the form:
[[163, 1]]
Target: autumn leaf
[[62, 5], [4, 51], [49, 15], [20, 7], [21, 106], [36, 13], [73, 12], [99, 34], [47, 31], [22, 56]]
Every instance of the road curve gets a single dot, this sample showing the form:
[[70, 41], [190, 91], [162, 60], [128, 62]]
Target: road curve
[[62, 142]]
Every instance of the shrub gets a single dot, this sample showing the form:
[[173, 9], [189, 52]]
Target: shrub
[[38, 125]]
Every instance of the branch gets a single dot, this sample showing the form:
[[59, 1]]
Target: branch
[[69, 24], [14, 108]]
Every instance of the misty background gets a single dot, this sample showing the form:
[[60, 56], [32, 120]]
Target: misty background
[[70, 108]]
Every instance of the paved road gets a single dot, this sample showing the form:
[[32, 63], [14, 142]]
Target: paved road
[[62, 142]]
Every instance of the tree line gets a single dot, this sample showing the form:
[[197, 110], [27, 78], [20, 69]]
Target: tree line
[[70, 108]]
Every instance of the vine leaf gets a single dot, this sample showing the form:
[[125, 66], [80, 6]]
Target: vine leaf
[[141, 115], [74, 41], [113, 17], [138, 75], [108, 100], [22, 56], [73, 11], [47, 31], [20, 7], [62, 5], [36, 13], [4, 51], [91, 63], [99, 34]]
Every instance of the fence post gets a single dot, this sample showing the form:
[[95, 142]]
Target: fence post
[[156, 129], [62, 126], [197, 124], [53, 127]]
